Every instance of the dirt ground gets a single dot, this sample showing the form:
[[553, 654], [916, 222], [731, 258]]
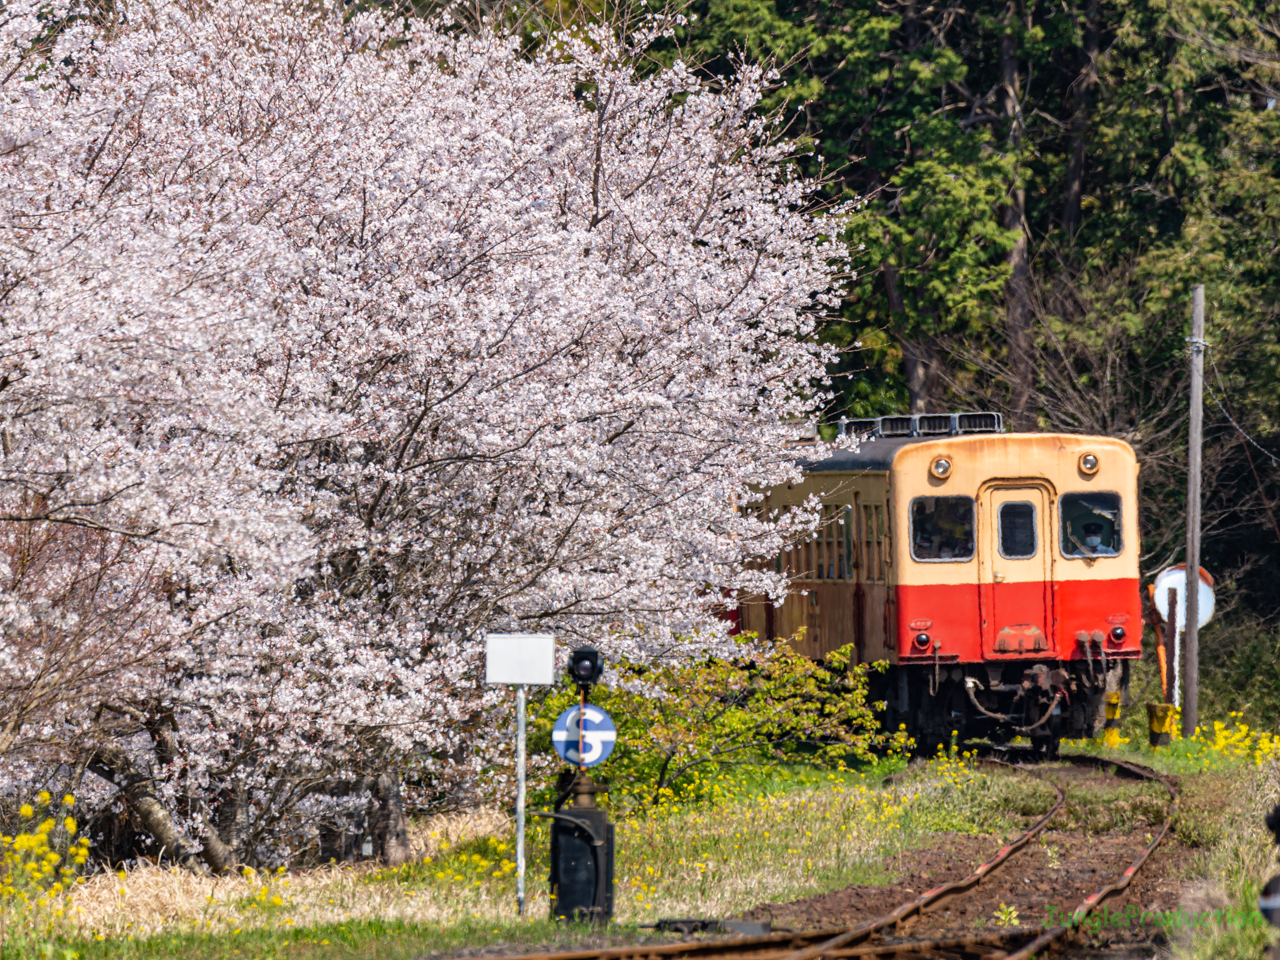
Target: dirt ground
[[1045, 880]]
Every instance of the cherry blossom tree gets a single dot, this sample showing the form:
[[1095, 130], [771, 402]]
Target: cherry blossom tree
[[354, 338]]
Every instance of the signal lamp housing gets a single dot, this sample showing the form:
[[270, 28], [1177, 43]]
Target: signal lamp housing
[[585, 667]]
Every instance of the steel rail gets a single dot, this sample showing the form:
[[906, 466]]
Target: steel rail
[[909, 947], [837, 943], [830, 940], [896, 916], [1091, 901]]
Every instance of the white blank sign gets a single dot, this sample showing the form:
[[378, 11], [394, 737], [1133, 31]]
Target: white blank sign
[[515, 658]]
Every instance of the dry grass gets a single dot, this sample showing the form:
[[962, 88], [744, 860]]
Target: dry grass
[[431, 836], [1228, 875], [704, 862], [154, 900], [150, 899]]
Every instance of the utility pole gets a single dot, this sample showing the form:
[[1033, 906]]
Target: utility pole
[[1191, 634]]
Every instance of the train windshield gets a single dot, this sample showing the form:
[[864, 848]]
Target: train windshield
[[1090, 524], [942, 528]]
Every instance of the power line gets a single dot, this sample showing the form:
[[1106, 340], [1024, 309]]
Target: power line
[[1273, 458], [1266, 504]]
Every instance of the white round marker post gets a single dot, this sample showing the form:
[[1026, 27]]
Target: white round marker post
[[1175, 579]]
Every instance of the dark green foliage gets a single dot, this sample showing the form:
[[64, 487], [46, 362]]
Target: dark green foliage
[[1132, 147]]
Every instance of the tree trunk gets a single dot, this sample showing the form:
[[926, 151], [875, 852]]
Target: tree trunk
[[113, 765], [919, 359], [1018, 291], [921, 362], [386, 824], [1081, 97], [230, 814], [1018, 320], [390, 827]]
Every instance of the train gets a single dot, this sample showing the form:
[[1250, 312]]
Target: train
[[996, 574]]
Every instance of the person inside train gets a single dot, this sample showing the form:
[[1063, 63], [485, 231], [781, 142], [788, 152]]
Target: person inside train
[[942, 528], [1090, 525]]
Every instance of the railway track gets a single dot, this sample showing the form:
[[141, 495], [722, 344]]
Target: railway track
[[876, 937]]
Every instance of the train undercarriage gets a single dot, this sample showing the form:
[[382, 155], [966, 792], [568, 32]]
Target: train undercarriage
[[1043, 701]]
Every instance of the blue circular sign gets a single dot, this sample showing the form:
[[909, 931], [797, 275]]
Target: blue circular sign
[[598, 735]]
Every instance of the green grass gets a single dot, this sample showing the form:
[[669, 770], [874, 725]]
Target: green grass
[[1224, 795], [794, 834], [975, 800], [1123, 806], [767, 836], [1230, 870], [370, 939]]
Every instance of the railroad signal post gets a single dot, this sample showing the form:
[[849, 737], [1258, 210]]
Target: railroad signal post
[[581, 835], [520, 660]]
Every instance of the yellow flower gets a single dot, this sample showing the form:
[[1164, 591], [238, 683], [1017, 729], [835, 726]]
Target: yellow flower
[[44, 796], [26, 810]]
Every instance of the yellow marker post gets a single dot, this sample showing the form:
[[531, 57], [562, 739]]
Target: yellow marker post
[[1111, 729], [1160, 724]]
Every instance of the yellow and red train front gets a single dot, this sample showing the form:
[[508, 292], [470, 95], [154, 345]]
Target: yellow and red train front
[[1015, 546]]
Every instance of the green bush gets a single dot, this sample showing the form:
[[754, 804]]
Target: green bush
[[678, 721]]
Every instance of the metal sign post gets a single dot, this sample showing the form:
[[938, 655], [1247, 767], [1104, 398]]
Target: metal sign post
[[520, 787], [520, 660]]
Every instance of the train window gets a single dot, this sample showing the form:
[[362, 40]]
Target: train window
[[942, 528], [1090, 524], [1017, 530]]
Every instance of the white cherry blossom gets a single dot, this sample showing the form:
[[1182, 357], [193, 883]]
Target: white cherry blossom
[[344, 340]]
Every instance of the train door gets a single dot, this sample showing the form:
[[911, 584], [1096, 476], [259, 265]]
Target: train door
[[1016, 571]]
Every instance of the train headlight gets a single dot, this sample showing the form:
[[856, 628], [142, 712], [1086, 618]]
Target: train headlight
[[1088, 464], [941, 468], [1117, 634], [922, 641]]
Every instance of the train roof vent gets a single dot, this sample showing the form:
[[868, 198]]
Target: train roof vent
[[895, 427], [979, 423], [924, 425], [933, 424]]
